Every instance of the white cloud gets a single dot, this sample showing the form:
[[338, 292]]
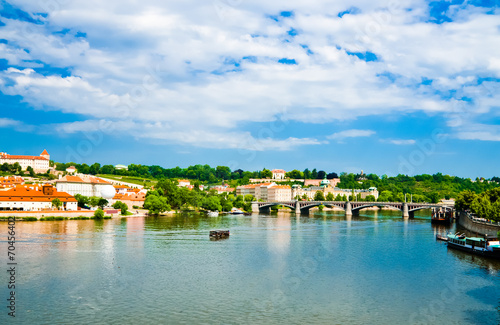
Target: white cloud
[[481, 132], [354, 133], [166, 67], [7, 122], [401, 142]]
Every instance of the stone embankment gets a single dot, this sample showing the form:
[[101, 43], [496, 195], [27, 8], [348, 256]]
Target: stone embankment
[[479, 226]]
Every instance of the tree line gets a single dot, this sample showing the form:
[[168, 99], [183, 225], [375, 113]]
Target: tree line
[[167, 196], [485, 205]]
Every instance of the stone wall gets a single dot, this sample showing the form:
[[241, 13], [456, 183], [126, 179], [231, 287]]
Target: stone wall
[[476, 226]]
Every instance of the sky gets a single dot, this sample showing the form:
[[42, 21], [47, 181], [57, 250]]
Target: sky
[[386, 87]]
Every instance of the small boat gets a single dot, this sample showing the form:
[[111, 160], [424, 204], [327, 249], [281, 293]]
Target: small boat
[[236, 211], [213, 213], [219, 233], [441, 217], [441, 237], [475, 245]]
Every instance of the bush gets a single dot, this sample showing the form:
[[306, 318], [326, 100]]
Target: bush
[[80, 218], [136, 207], [98, 214], [30, 219], [46, 218]]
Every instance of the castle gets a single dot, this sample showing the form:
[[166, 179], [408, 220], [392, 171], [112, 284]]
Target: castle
[[40, 164]]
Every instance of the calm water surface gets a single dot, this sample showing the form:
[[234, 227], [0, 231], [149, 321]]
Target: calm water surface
[[274, 269]]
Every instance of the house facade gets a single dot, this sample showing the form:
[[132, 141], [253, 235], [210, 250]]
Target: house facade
[[40, 164]]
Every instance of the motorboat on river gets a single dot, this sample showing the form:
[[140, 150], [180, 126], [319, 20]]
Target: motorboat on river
[[476, 245]]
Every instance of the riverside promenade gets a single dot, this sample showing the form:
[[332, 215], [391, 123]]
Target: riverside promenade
[[477, 225]]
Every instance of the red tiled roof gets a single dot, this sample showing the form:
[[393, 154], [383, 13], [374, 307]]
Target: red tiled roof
[[17, 157], [278, 171], [84, 179], [33, 194], [44, 153]]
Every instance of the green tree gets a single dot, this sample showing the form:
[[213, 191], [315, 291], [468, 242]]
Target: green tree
[[249, 198], [329, 196], [107, 169], [464, 200], [156, 204], [319, 196], [121, 206], [295, 174], [99, 214], [31, 171], [57, 203], [212, 203], [370, 198], [266, 173], [101, 202], [82, 200]]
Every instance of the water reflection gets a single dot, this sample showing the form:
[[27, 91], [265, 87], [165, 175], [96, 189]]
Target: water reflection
[[322, 268]]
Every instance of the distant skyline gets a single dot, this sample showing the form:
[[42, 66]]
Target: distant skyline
[[387, 87]]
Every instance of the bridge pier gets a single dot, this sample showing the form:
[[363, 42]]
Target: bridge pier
[[406, 214], [297, 207], [348, 209], [255, 207]]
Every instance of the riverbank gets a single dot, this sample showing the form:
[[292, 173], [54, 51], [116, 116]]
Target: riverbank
[[472, 224]]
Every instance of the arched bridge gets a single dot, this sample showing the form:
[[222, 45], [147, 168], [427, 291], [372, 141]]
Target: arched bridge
[[350, 208]]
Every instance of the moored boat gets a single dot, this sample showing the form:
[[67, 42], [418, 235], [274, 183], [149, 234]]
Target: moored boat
[[475, 245], [441, 217], [213, 213]]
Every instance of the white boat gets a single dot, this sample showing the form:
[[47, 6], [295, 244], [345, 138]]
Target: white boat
[[236, 211], [213, 213]]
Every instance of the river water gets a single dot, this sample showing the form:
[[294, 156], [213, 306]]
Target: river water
[[375, 268]]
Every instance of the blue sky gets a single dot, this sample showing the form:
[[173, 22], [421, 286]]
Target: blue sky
[[381, 86]]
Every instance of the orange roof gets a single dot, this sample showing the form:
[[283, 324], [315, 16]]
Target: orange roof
[[184, 180], [7, 156], [278, 171], [83, 179], [282, 186], [44, 153], [33, 194]]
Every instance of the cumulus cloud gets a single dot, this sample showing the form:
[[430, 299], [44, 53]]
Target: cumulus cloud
[[198, 73]]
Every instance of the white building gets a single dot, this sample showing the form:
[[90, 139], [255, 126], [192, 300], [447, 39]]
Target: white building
[[71, 170], [83, 185], [278, 174], [40, 164], [35, 198]]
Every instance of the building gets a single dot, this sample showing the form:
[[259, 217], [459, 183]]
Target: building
[[131, 199], [83, 185], [252, 189], [40, 164], [317, 182], [222, 189], [11, 181], [184, 182], [310, 192], [71, 170], [121, 167], [279, 193], [278, 174], [35, 198]]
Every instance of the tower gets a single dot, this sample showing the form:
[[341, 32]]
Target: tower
[[45, 154]]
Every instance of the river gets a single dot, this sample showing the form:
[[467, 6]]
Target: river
[[279, 268]]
